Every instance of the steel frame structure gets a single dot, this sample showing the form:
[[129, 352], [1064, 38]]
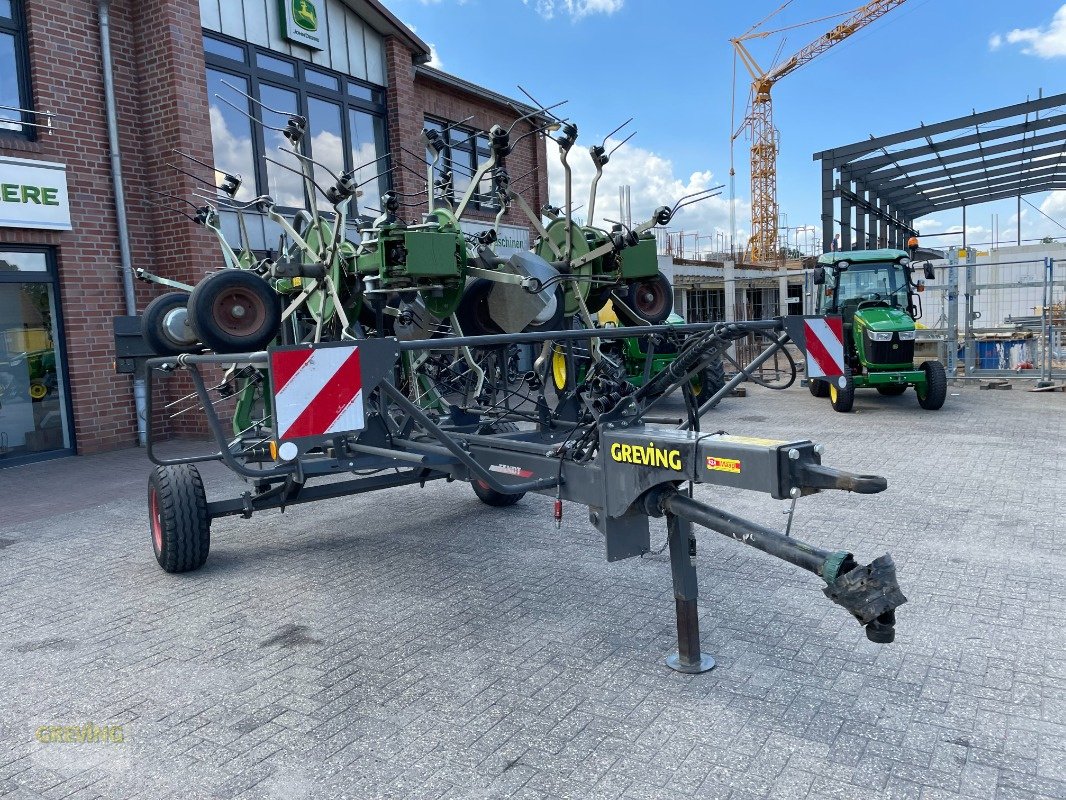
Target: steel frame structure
[[883, 184], [595, 448]]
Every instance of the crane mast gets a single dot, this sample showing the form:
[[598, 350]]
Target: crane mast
[[762, 246]]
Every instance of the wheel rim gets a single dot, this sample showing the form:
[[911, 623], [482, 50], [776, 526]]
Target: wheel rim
[[559, 369], [238, 311], [156, 522], [832, 393], [650, 299], [38, 391], [176, 328]]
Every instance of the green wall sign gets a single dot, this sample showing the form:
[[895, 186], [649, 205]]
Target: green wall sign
[[301, 22]]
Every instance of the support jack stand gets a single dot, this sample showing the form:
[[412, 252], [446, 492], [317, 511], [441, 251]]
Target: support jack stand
[[688, 658]]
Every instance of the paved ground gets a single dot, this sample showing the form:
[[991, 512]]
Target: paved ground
[[419, 644]]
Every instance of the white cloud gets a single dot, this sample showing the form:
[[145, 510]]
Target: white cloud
[[1043, 42], [576, 9], [995, 41], [652, 182]]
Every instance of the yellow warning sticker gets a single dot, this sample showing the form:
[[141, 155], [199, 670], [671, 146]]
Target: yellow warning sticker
[[723, 464], [751, 440]]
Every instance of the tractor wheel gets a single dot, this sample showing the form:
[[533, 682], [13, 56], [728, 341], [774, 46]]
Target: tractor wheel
[[485, 493], [165, 325], [891, 390], [842, 399], [936, 386], [235, 311], [709, 382], [818, 388], [177, 514], [473, 311], [553, 317], [560, 379], [651, 298]]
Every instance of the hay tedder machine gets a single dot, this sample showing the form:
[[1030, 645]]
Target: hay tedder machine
[[382, 355]]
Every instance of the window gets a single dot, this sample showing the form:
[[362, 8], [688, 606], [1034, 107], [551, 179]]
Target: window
[[706, 305], [345, 124], [14, 73], [34, 403], [464, 150]]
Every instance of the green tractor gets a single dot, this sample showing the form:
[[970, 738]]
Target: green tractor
[[642, 359], [875, 293]]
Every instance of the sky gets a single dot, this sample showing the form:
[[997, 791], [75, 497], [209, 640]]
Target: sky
[[670, 65]]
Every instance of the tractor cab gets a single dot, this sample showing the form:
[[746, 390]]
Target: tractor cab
[[879, 300]]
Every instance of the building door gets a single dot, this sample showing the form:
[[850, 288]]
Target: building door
[[34, 402]]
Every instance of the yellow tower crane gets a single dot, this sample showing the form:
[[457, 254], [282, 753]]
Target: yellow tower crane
[[759, 121]]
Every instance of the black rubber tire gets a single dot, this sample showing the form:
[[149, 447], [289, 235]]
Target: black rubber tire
[[892, 389], [656, 310], [487, 494], [154, 331], [598, 298], [206, 311], [557, 322], [177, 518], [818, 387], [712, 380], [845, 398], [473, 311], [936, 386]]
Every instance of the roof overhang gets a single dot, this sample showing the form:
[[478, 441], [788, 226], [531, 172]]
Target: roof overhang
[[386, 23]]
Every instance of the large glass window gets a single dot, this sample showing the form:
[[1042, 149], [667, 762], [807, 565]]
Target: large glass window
[[14, 72], [345, 124], [465, 148], [34, 410]]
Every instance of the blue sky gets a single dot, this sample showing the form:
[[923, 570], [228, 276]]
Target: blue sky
[[669, 64]]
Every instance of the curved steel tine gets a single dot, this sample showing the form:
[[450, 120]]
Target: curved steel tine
[[257, 121], [376, 177], [302, 157], [452, 125], [615, 148], [294, 171], [536, 102], [259, 103], [612, 133], [541, 109], [696, 197], [416, 156], [368, 163], [541, 129], [174, 197]]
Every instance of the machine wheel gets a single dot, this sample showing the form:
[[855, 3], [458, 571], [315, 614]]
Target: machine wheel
[[936, 386], [559, 377], [487, 494], [177, 515], [818, 388], [892, 390], [165, 325], [490, 497], [234, 311], [473, 311], [709, 382], [552, 318], [652, 298], [842, 399]]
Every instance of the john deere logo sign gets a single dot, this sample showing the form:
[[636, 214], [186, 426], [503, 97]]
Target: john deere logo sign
[[300, 23], [305, 15], [33, 194]]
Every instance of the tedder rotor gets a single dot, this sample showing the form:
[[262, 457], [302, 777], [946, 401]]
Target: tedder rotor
[[387, 351]]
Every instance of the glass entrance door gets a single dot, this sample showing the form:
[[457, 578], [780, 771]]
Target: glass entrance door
[[34, 408]]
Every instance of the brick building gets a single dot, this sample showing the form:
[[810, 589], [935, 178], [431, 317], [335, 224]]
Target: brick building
[[181, 70]]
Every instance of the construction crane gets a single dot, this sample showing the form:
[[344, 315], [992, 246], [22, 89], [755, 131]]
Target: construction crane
[[762, 246]]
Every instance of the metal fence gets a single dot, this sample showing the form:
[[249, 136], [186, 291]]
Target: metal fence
[[998, 319]]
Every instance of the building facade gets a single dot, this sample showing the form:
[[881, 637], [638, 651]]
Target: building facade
[[200, 88]]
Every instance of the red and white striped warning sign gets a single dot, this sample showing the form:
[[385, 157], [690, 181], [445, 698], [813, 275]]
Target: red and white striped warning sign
[[824, 339], [317, 391]]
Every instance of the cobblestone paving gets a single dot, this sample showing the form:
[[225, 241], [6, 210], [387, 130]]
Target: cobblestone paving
[[417, 644]]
